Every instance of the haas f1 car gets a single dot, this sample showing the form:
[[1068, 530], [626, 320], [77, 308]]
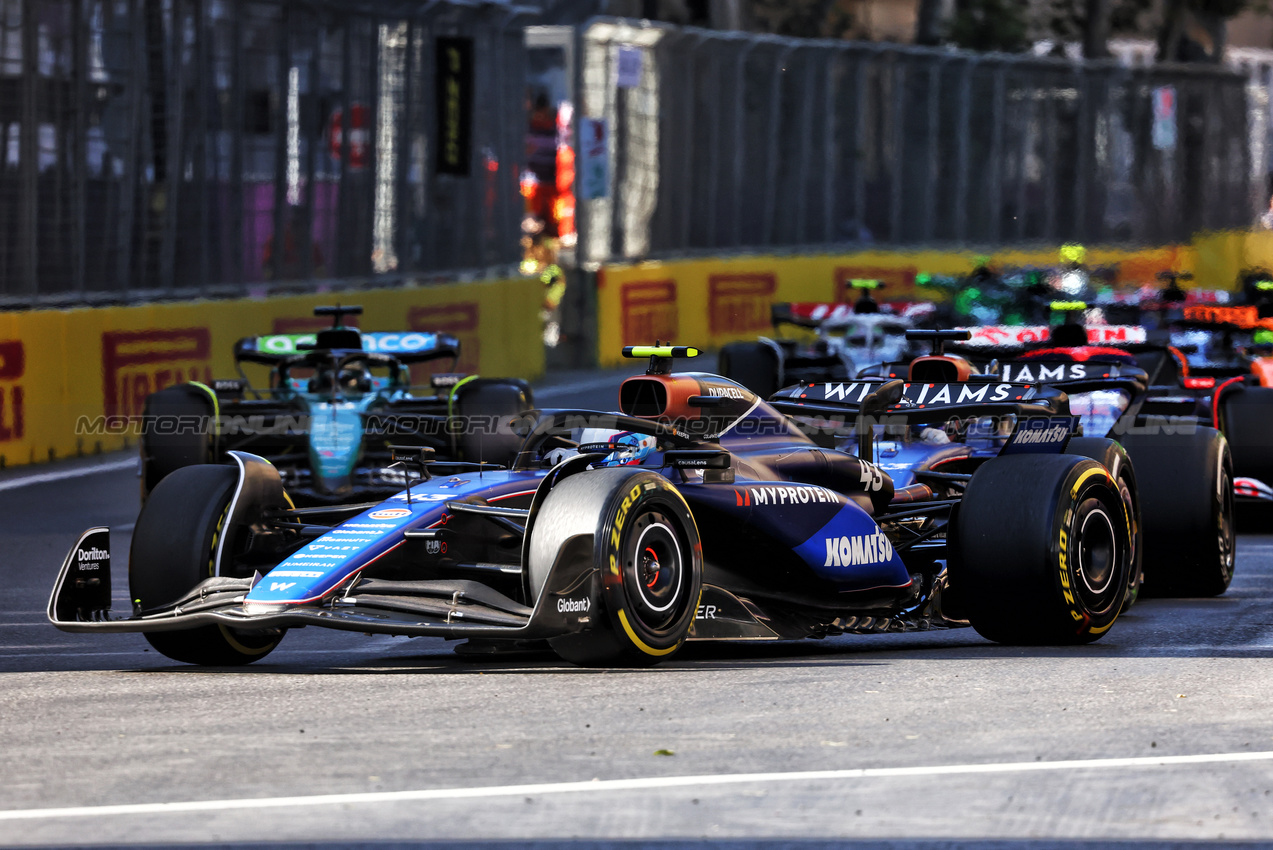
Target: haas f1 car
[[700, 512], [336, 400], [848, 337]]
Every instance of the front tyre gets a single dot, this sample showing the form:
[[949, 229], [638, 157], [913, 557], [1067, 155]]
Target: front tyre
[[1041, 550], [1113, 457], [174, 548], [646, 545]]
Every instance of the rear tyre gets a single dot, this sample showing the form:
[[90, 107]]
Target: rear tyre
[[1113, 457], [180, 430], [484, 409], [646, 545], [1246, 417], [752, 364], [174, 548], [1186, 505], [1041, 550]]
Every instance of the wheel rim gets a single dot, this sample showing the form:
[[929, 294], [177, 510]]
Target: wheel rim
[[1129, 507], [1224, 522], [1096, 556], [656, 576]]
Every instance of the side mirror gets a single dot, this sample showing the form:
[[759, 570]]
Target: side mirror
[[889, 394]]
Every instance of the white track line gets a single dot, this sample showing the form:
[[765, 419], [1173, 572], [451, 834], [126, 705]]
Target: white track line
[[46, 477], [650, 783]]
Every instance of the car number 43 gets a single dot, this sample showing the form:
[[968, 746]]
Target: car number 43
[[872, 477]]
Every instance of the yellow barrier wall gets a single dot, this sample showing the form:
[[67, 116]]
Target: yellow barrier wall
[[59, 365], [714, 301]]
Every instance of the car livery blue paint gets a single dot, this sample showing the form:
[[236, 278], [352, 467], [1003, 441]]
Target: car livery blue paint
[[322, 565], [853, 553], [734, 524]]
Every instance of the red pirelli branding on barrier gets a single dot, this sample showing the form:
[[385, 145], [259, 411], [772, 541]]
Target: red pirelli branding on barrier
[[649, 311], [12, 368], [739, 303], [138, 363], [461, 319]]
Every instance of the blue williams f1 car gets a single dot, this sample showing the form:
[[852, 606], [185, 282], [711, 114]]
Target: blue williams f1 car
[[699, 512]]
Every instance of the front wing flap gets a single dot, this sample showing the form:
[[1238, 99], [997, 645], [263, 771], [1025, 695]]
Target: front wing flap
[[570, 602]]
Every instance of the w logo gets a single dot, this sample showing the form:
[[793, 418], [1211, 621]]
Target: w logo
[[281, 585]]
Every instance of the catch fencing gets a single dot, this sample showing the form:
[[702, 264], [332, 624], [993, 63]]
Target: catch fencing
[[706, 141], [165, 148]]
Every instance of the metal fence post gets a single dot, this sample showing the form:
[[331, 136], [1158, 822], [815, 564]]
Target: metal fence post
[[1052, 104], [78, 147], [859, 150], [238, 95], [771, 146], [1023, 156], [403, 221], [203, 83], [308, 109], [175, 151], [278, 123], [688, 175], [931, 161], [344, 204], [806, 146], [740, 137], [1082, 164], [29, 153], [996, 156], [897, 164], [960, 210], [830, 163]]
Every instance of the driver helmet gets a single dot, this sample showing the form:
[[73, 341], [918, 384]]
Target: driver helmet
[[351, 379], [354, 379], [636, 447], [641, 445]]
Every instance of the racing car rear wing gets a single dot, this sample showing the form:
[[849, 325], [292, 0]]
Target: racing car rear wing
[[919, 403], [406, 346], [816, 314], [1076, 377]]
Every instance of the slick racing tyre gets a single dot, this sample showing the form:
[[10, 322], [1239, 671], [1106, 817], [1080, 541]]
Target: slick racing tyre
[[1186, 504], [174, 548], [1246, 417], [482, 410], [1113, 457], [179, 430], [638, 531], [752, 364], [1041, 550]]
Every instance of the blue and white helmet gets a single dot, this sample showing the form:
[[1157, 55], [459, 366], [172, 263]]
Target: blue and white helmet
[[635, 447], [641, 445]]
